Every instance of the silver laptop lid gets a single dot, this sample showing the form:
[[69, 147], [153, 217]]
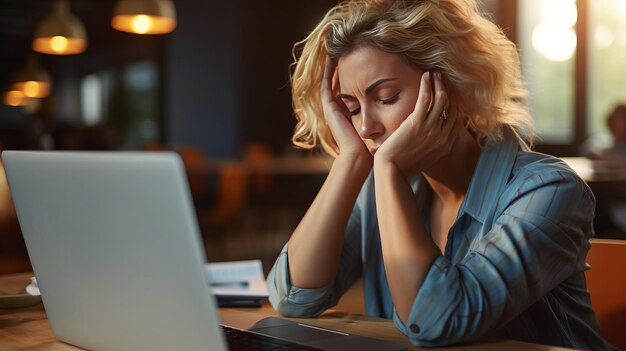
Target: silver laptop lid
[[114, 243]]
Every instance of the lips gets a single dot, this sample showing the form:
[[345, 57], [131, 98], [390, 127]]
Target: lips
[[373, 150]]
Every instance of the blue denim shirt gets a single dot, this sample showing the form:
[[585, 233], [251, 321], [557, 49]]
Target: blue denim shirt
[[513, 265]]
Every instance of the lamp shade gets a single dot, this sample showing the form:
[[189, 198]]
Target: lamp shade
[[61, 33], [33, 81], [144, 16]]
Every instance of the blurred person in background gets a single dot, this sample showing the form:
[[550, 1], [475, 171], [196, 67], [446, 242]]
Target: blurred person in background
[[616, 122]]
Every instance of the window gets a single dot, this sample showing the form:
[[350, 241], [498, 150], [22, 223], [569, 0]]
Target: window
[[122, 103], [142, 107], [92, 99], [547, 43], [607, 61], [572, 59]]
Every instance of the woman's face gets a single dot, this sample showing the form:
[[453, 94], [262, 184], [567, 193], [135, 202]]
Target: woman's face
[[380, 90]]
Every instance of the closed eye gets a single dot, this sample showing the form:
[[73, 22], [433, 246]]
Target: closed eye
[[390, 100], [355, 111]]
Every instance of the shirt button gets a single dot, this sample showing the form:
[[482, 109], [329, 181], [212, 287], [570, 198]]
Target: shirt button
[[414, 328]]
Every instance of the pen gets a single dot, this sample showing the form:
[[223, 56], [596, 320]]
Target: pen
[[239, 284]]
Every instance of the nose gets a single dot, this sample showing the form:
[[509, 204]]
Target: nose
[[370, 127]]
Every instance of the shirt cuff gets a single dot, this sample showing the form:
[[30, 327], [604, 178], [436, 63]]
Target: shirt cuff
[[290, 300], [428, 317]]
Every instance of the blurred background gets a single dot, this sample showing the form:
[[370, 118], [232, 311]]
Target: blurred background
[[213, 84]]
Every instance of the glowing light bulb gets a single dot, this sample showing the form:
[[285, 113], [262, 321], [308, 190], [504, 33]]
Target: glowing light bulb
[[14, 98], [58, 44], [141, 24], [31, 88]]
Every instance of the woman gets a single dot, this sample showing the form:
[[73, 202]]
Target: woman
[[434, 197]]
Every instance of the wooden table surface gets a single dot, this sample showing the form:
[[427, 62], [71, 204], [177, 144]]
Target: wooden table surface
[[27, 328]]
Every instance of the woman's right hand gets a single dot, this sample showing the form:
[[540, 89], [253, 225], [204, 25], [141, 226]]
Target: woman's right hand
[[338, 117], [316, 243]]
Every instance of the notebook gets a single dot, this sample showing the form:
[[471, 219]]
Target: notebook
[[114, 243]]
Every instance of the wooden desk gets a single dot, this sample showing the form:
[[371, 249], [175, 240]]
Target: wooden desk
[[607, 180], [598, 171], [28, 329]]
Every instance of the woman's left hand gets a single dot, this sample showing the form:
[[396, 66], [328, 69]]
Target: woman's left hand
[[426, 135]]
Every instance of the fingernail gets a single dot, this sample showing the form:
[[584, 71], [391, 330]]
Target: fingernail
[[438, 74], [427, 75]]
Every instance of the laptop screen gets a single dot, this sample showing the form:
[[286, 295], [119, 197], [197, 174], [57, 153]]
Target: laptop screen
[[114, 243]]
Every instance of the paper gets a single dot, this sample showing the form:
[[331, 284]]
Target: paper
[[33, 288], [237, 280]]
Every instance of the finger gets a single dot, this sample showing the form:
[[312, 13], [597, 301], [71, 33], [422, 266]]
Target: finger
[[424, 97], [326, 87], [448, 121], [336, 89], [440, 104], [330, 81], [335, 85]]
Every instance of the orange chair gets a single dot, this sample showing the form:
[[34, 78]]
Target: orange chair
[[606, 281], [232, 186], [258, 155], [231, 196], [194, 157]]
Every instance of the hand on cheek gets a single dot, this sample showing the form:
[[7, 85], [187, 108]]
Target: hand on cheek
[[425, 136], [337, 116]]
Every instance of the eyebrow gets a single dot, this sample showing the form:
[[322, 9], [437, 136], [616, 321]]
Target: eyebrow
[[368, 90]]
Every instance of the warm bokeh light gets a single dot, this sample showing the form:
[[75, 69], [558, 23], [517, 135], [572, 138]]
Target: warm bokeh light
[[58, 44], [604, 37], [144, 16], [33, 89], [620, 5], [555, 43], [555, 36], [60, 33], [141, 24], [14, 98], [559, 13]]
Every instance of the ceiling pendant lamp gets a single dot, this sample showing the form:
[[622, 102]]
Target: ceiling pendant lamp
[[144, 16], [14, 98], [32, 81], [61, 33]]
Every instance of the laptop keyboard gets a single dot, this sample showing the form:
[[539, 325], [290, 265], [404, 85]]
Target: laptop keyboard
[[244, 340]]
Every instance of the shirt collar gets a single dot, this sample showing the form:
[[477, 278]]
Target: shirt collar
[[492, 172]]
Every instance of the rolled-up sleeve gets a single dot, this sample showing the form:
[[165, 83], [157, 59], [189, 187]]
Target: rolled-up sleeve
[[292, 301], [538, 240]]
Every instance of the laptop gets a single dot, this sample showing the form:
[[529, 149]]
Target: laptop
[[114, 243]]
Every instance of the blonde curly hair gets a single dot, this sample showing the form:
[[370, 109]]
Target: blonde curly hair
[[480, 66]]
